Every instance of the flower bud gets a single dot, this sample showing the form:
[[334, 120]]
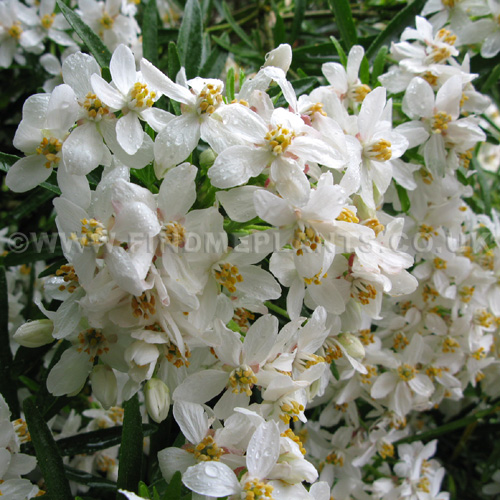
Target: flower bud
[[104, 385], [207, 158], [35, 333], [157, 396], [352, 345]]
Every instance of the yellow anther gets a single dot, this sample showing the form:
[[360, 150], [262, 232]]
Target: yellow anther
[[257, 490], [430, 78], [386, 449], [210, 98], [308, 238], [94, 106], [374, 224], [242, 318], [206, 450], [366, 337], [450, 345], [347, 215], [228, 276], [429, 293], [407, 372], [93, 342], [440, 263], [93, 233], [380, 150], [107, 21], [67, 273], [426, 232], [173, 234], [48, 20], [15, 31], [21, 429], [359, 92], [242, 379], [335, 459], [466, 293], [279, 139], [290, 434], [371, 371], [50, 149], [144, 306], [433, 372], [440, 122], [400, 341]]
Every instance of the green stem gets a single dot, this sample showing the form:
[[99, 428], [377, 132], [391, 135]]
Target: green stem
[[276, 309]]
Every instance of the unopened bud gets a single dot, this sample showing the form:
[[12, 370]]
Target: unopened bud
[[207, 158], [157, 396], [352, 345], [104, 385], [35, 333]]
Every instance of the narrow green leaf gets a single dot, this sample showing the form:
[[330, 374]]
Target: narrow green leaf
[[7, 387], [215, 63], [81, 477], [251, 56], [279, 33], [343, 17], [190, 41], [130, 458], [150, 32], [230, 84], [492, 79], [173, 67], [379, 65], [31, 255], [8, 160], [236, 27], [403, 197], [90, 39], [334, 370], [404, 18], [47, 454], [174, 488], [38, 198], [364, 71], [483, 184], [340, 51], [298, 17], [143, 490]]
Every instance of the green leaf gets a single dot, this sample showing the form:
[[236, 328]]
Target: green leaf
[[279, 33], [143, 490], [190, 41], [403, 197], [174, 66], [32, 255], [230, 84], [404, 18], [47, 454], [364, 71], [215, 63], [81, 477], [483, 184], [146, 176], [130, 458], [150, 32], [234, 49], [340, 51], [343, 17], [492, 79], [90, 39], [7, 388], [235, 26], [8, 160], [379, 65], [174, 488], [334, 370], [298, 17], [92, 441]]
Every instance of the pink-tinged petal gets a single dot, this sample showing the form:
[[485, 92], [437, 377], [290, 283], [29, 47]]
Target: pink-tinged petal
[[336, 75], [263, 450], [122, 69], [192, 420], [370, 113], [176, 142], [273, 209], [77, 70], [211, 478], [239, 203], [291, 182], [449, 96], [384, 384], [202, 386], [418, 101], [177, 191], [154, 77], [63, 108], [237, 164], [106, 93], [83, 150], [172, 460], [70, 373], [260, 339], [129, 133], [27, 173], [258, 284]]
